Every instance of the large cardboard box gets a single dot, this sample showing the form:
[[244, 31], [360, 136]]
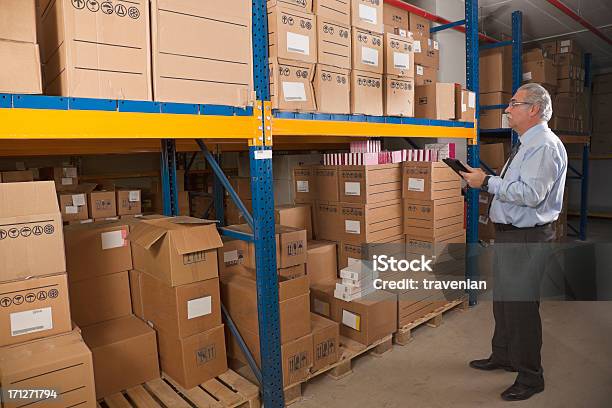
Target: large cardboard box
[[124, 354], [97, 249], [367, 51], [62, 363], [325, 342], [361, 223], [326, 182], [349, 253], [433, 218], [399, 56], [332, 90], [292, 34], [17, 176], [334, 43], [369, 184], [395, 17], [429, 181], [541, 72], [305, 185], [291, 85], [435, 101], [20, 72], [18, 21], [367, 15], [399, 96], [33, 308], [195, 359], [232, 255], [177, 250], [101, 298], [336, 10], [297, 216], [102, 204], [419, 26], [129, 202], [99, 51], [31, 240], [322, 262], [425, 75], [190, 64], [181, 310], [494, 118], [64, 177], [366, 93], [496, 70]]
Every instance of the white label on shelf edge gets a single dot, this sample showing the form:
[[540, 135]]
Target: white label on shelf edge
[[78, 199], [419, 70], [351, 320], [72, 209], [417, 46], [369, 56], [416, 184], [263, 154], [230, 256], [367, 13], [302, 186], [113, 239], [352, 188], [401, 60], [294, 91], [31, 321], [352, 227], [134, 196], [199, 307], [298, 43]]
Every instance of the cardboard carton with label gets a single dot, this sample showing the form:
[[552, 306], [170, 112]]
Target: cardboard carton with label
[[395, 17], [349, 253], [429, 181], [435, 101], [304, 183], [367, 51], [399, 56], [369, 184], [291, 85], [363, 223], [332, 88], [367, 15], [424, 75], [292, 34], [366, 93], [433, 218], [326, 341], [399, 96], [337, 10], [334, 43], [129, 202]]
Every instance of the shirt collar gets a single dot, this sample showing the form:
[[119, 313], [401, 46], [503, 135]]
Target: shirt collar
[[529, 135]]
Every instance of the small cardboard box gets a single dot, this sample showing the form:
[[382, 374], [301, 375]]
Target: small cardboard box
[[326, 182], [305, 184], [97, 249], [297, 216], [18, 21], [364, 223], [424, 75], [349, 253], [64, 177], [334, 43], [468, 106], [433, 218], [299, 5], [18, 176], [182, 310], [429, 181], [31, 239], [101, 298], [420, 28], [177, 250], [124, 354], [399, 56], [369, 184], [292, 34], [322, 262], [34, 308], [102, 204], [325, 341], [73, 206], [129, 202], [541, 72], [332, 90], [291, 85], [366, 94], [367, 51], [399, 96], [336, 10], [232, 255], [193, 360], [395, 17], [20, 71], [435, 101], [367, 15], [62, 363], [496, 70]]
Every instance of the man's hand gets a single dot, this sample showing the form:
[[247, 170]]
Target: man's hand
[[474, 178]]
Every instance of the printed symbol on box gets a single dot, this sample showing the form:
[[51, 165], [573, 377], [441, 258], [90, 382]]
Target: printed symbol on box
[[26, 232], [37, 230], [30, 297], [6, 302], [120, 10], [13, 233], [49, 229], [134, 13], [78, 4], [3, 234], [93, 5], [18, 299], [107, 8], [53, 293], [42, 295]]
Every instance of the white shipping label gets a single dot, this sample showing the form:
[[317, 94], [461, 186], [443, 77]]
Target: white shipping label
[[565, 43], [505, 123], [417, 46], [401, 60], [199, 307], [352, 227], [66, 181], [351, 320], [72, 209], [230, 256], [527, 76], [134, 196], [70, 172], [436, 45], [369, 56], [302, 186], [78, 199], [416, 184], [321, 307], [419, 70], [31, 321], [472, 100], [564, 50], [298, 43], [463, 107], [351, 261], [352, 188], [294, 92], [113, 239], [367, 13]]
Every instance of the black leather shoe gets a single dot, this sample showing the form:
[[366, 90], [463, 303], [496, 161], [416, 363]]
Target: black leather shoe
[[488, 365], [520, 392]]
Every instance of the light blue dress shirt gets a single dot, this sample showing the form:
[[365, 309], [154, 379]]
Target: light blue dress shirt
[[531, 192]]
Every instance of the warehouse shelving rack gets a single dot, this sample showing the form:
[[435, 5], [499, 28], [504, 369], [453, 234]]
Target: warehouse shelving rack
[[44, 125]]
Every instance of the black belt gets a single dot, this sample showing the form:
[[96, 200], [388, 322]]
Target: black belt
[[510, 227]]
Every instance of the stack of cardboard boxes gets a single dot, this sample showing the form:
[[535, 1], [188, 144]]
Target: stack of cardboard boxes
[[601, 139], [495, 86], [39, 348]]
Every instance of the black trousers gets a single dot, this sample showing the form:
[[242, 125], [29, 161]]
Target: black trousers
[[520, 258]]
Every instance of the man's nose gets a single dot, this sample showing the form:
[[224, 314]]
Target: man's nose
[[507, 110]]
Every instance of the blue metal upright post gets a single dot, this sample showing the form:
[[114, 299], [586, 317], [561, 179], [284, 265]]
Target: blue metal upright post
[[517, 58], [218, 197], [168, 177], [472, 55]]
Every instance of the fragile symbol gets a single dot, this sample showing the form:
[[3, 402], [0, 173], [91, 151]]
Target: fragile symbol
[[120, 10], [49, 229], [6, 302], [133, 12], [93, 5], [2, 234], [42, 295], [26, 231], [13, 233], [53, 293], [18, 299], [30, 297], [107, 8], [37, 230], [78, 4]]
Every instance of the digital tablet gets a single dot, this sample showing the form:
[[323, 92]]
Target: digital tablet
[[456, 165]]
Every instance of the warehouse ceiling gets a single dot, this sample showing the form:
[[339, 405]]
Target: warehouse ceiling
[[542, 21]]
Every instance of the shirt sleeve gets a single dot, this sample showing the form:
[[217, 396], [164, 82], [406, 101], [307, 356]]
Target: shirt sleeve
[[537, 176]]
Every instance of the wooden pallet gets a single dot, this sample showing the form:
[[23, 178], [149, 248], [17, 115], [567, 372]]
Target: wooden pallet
[[433, 319], [228, 390]]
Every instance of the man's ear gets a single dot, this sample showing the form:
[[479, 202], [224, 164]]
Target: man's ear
[[535, 110]]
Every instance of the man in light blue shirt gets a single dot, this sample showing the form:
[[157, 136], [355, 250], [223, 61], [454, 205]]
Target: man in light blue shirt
[[527, 199]]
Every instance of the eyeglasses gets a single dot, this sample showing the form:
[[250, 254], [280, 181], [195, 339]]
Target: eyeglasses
[[513, 104]]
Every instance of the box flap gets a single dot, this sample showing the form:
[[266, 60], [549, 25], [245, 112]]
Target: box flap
[[31, 198], [197, 238], [146, 234]]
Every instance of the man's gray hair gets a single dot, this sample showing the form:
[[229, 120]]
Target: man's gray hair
[[539, 96]]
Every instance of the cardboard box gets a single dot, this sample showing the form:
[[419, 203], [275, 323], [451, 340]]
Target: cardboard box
[[193, 360], [129, 202], [300, 5], [99, 299], [435, 101], [326, 182], [292, 272], [419, 26], [334, 43], [124, 354], [62, 363], [332, 90], [297, 216], [366, 93], [369, 184], [33, 308], [494, 118], [322, 263], [568, 59], [367, 15], [349, 253], [468, 106], [399, 56], [424, 75], [367, 51], [107, 52], [542, 72], [395, 17], [292, 34], [31, 224], [64, 177], [181, 310], [549, 47], [451, 246], [494, 154], [178, 251], [18, 176], [496, 70], [567, 86], [336, 10], [429, 181], [73, 205], [232, 255], [566, 71], [102, 204], [189, 66], [536, 54], [291, 85], [327, 220], [361, 223], [304, 182], [568, 47], [18, 21], [326, 342], [97, 249], [399, 96], [321, 299], [20, 72], [433, 218]]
